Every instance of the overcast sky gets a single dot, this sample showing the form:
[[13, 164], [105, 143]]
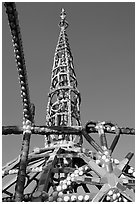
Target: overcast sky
[[101, 37]]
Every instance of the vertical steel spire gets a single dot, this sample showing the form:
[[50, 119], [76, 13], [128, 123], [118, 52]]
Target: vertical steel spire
[[63, 107]]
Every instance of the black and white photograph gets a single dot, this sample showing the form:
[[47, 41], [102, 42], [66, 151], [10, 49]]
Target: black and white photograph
[[68, 101]]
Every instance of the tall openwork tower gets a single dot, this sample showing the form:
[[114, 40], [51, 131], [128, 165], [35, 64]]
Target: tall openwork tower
[[63, 107]]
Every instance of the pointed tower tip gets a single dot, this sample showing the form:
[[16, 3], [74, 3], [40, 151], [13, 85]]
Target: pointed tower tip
[[63, 14], [63, 23]]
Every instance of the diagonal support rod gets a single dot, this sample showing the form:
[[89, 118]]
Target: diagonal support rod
[[28, 108]]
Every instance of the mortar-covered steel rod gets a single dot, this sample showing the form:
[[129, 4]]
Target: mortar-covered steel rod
[[103, 139], [28, 109], [115, 141], [91, 141], [42, 130]]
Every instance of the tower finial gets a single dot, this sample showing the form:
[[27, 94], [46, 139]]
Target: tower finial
[[63, 23], [63, 14]]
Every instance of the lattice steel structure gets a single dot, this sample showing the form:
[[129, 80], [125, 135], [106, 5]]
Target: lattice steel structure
[[64, 98], [59, 168]]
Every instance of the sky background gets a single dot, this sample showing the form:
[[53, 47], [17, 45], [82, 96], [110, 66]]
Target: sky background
[[101, 37]]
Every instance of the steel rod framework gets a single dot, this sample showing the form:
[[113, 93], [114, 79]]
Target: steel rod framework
[[42, 130], [27, 106]]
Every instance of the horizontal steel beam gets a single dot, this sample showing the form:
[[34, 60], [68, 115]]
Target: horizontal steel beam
[[45, 130]]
